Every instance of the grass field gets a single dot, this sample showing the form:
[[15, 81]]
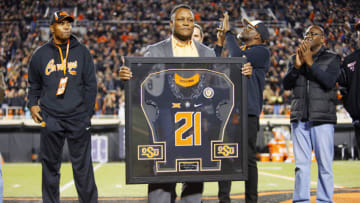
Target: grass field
[[24, 179]]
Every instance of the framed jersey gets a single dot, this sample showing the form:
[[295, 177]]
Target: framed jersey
[[185, 120]]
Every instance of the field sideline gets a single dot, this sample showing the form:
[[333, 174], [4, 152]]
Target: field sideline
[[24, 179]]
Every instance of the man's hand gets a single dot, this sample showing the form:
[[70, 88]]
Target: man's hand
[[220, 37], [306, 53], [222, 29], [226, 24], [35, 113], [247, 69], [125, 73], [299, 59]]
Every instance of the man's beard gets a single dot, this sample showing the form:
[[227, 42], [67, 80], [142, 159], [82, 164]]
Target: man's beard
[[182, 37], [243, 38], [63, 37]]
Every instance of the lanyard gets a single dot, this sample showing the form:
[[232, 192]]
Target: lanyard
[[243, 48], [64, 64]]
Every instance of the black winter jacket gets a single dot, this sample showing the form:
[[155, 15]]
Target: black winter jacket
[[314, 93], [259, 57]]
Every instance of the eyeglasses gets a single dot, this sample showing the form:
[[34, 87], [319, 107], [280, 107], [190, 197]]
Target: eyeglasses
[[311, 34]]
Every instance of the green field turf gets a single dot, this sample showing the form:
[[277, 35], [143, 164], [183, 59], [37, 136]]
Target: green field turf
[[24, 179]]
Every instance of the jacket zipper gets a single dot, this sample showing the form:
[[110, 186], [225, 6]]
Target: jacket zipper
[[307, 99]]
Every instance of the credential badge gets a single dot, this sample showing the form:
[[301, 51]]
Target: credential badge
[[208, 92]]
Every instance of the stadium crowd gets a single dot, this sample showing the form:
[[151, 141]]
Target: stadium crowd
[[124, 28]]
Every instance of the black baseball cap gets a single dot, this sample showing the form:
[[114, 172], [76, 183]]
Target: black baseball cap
[[59, 16], [259, 26]]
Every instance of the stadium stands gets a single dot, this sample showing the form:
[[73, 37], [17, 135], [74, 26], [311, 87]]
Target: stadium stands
[[115, 28]]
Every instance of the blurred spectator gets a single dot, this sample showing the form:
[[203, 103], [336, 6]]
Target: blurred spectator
[[276, 100], [268, 93], [109, 105], [198, 33], [99, 104], [120, 98]]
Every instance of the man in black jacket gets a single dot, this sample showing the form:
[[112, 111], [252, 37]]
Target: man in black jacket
[[61, 96], [311, 75], [254, 37], [350, 80]]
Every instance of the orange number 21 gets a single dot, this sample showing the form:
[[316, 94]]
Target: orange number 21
[[191, 121]]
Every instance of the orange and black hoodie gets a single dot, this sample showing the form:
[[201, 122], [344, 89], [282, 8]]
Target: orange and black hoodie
[[45, 72]]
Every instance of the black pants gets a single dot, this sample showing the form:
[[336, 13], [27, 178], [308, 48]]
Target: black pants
[[78, 136], [165, 192], [251, 192]]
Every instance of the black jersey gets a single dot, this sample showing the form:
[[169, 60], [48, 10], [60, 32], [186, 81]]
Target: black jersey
[[186, 111]]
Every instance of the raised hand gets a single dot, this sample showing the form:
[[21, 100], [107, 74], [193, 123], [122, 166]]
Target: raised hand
[[220, 37], [299, 58], [226, 24], [306, 53]]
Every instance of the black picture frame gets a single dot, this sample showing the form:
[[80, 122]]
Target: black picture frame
[[151, 161]]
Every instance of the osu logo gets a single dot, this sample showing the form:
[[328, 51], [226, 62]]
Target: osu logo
[[226, 150], [150, 152]]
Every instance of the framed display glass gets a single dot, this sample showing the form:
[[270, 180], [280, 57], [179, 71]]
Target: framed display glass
[[185, 120]]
